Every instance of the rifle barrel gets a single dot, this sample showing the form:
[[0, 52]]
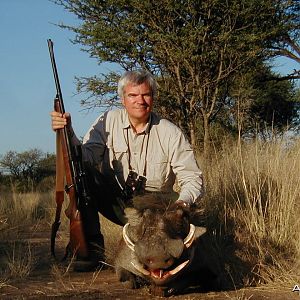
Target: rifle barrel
[[59, 106], [55, 74]]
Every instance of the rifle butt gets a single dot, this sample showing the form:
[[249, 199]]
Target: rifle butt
[[77, 238]]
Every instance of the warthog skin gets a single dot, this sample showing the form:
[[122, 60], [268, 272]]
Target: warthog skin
[[161, 248]]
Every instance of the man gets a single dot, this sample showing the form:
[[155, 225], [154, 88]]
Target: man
[[134, 151]]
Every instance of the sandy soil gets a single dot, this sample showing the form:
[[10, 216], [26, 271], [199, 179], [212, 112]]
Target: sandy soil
[[51, 281]]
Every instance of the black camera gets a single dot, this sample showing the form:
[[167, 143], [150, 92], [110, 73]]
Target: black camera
[[134, 185]]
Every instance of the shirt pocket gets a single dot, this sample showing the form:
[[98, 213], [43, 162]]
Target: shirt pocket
[[117, 158], [157, 171]]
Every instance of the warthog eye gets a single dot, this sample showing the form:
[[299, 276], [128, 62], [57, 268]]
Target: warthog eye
[[169, 261]]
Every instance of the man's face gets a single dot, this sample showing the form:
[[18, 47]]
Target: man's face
[[138, 101]]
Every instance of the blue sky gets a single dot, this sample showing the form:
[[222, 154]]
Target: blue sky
[[26, 81], [27, 86]]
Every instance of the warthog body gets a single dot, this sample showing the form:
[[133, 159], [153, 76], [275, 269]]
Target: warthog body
[[162, 248]]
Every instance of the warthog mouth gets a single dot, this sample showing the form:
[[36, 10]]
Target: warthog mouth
[[162, 275]]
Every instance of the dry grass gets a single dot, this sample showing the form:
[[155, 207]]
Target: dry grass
[[252, 201], [253, 192], [18, 210], [20, 261], [238, 296], [20, 215]]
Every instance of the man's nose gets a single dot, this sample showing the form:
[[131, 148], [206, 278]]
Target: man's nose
[[140, 98]]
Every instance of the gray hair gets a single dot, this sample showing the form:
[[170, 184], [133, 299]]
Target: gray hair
[[136, 77]]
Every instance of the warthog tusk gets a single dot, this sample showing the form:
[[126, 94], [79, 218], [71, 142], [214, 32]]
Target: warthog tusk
[[140, 268], [190, 237], [126, 238], [179, 268]]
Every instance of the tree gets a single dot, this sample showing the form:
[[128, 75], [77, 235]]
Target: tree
[[275, 107], [28, 167], [286, 41], [21, 165], [194, 48], [263, 105]]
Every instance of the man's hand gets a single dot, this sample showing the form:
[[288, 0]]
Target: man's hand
[[180, 204], [59, 121]]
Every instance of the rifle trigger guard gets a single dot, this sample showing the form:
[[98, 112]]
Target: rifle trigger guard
[[68, 187]]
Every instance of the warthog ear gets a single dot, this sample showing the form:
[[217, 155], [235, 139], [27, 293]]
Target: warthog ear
[[175, 247], [199, 231], [133, 216]]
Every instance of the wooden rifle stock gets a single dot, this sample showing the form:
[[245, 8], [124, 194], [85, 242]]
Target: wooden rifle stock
[[66, 169]]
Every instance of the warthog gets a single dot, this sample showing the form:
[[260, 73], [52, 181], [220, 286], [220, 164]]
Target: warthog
[[162, 248]]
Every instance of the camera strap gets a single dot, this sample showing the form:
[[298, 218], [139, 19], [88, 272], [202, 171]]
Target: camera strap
[[141, 150]]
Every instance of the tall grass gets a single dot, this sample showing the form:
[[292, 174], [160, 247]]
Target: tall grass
[[252, 205], [20, 216], [253, 195], [20, 261], [18, 210]]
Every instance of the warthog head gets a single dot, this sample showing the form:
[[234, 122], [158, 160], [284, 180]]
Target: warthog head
[[161, 242]]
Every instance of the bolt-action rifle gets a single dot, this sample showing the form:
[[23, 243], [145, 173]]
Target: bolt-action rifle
[[70, 178]]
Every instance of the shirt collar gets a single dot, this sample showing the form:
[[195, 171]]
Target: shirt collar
[[126, 123]]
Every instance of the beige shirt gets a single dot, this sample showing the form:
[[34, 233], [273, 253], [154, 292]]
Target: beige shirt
[[160, 153]]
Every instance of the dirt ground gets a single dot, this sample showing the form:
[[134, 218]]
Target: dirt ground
[[49, 281]]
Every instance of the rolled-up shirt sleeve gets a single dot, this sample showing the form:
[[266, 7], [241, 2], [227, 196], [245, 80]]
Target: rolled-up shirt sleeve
[[186, 169]]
